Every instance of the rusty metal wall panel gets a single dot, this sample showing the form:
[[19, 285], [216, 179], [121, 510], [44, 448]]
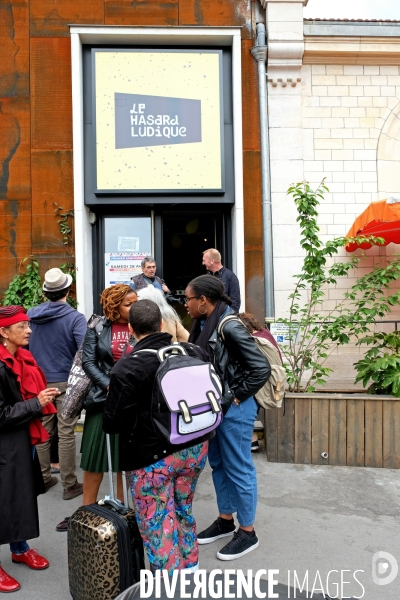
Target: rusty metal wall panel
[[141, 12], [217, 12], [50, 19], [254, 266], [51, 93], [15, 176], [15, 233], [252, 200], [250, 104], [14, 36], [52, 187]]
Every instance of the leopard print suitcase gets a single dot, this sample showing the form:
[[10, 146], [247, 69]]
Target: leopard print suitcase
[[105, 552]]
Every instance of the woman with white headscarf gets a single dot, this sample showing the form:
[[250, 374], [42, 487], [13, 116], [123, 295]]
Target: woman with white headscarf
[[171, 320]]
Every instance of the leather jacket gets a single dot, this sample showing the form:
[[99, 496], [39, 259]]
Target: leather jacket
[[242, 366], [139, 282], [97, 359]]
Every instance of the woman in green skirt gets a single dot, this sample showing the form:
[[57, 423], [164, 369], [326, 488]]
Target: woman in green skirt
[[100, 352]]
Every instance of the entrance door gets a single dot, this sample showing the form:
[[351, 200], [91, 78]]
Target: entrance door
[[120, 242], [186, 233]]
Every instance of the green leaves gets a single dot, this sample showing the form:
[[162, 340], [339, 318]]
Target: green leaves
[[320, 333], [381, 365], [65, 224], [26, 287]]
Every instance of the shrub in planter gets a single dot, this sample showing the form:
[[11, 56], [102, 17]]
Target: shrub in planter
[[313, 333]]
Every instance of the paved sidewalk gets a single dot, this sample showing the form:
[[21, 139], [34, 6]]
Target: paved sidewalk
[[309, 518]]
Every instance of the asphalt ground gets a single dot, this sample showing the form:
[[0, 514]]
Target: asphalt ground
[[320, 523]]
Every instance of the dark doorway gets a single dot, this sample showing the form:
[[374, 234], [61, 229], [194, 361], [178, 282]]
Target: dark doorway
[[185, 236]]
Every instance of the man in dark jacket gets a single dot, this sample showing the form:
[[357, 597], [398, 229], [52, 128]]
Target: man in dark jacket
[[149, 277], [214, 266], [164, 514], [57, 333], [127, 408]]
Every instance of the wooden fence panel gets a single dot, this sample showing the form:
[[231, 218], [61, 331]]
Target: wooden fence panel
[[271, 435], [391, 435], [337, 432], [286, 438], [355, 433], [373, 433], [320, 428], [355, 429], [302, 419]]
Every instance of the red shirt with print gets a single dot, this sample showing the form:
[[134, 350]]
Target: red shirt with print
[[119, 338]]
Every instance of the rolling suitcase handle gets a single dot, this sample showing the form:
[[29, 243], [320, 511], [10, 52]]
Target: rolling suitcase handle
[[111, 500]]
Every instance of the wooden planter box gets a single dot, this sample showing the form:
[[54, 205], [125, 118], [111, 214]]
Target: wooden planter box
[[358, 430]]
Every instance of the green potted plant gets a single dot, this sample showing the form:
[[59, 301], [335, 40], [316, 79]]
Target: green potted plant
[[323, 427]]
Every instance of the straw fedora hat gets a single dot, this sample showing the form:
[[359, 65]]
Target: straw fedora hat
[[55, 280]]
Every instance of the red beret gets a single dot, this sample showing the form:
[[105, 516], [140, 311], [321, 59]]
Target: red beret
[[12, 314]]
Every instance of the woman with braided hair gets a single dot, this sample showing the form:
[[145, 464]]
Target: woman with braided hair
[[101, 350]]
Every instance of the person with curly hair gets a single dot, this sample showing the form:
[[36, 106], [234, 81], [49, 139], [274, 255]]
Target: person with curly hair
[[100, 352]]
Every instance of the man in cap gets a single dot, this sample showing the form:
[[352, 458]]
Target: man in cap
[[57, 333]]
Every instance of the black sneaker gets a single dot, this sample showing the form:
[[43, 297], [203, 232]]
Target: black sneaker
[[240, 544], [255, 446], [214, 532]]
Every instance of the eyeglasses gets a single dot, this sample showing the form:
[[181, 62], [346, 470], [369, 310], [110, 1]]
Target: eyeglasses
[[187, 299]]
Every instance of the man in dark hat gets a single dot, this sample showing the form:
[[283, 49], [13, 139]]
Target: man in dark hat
[[57, 333]]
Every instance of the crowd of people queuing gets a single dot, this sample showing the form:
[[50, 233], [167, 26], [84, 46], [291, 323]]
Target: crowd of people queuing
[[162, 476]]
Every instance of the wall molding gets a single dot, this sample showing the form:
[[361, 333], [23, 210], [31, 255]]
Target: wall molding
[[322, 50]]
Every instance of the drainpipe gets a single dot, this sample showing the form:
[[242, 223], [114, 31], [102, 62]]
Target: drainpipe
[[259, 52]]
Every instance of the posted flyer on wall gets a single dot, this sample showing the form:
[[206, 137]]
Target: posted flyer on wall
[[120, 267]]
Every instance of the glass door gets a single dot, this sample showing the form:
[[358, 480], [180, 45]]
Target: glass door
[[127, 240], [121, 242]]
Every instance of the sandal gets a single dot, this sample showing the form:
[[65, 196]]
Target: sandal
[[63, 525]]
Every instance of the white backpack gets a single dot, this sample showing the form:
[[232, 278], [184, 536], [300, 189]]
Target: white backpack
[[272, 394]]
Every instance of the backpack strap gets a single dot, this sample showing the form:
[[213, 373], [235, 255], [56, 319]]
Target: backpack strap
[[223, 322], [163, 353], [136, 352]]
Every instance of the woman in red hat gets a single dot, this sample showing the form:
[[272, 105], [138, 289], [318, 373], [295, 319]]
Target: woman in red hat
[[24, 399]]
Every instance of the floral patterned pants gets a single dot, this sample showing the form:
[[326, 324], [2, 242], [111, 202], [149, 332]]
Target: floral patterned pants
[[162, 496]]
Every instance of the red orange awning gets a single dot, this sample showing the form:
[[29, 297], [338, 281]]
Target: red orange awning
[[380, 219]]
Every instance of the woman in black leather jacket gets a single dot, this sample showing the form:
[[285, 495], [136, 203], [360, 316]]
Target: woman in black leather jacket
[[244, 371], [102, 347]]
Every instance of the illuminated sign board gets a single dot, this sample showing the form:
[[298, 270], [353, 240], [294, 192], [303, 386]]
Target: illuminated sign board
[[158, 121]]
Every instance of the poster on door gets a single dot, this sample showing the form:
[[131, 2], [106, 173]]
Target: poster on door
[[120, 267]]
